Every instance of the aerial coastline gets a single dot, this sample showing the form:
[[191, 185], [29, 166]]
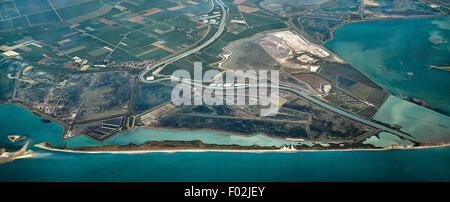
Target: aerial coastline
[[99, 150], [120, 149], [228, 52], [220, 12], [39, 114], [387, 18], [356, 90]]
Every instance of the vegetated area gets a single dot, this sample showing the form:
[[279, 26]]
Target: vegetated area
[[74, 98], [62, 59], [54, 32], [296, 119], [9, 69], [152, 95], [245, 19], [75, 61]]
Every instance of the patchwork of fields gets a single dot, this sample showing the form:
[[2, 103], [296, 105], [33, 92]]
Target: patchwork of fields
[[56, 31], [80, 62]]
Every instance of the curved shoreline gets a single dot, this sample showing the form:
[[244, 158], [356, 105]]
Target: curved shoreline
[[42, 146], [333, 30], [219, 150], [226, 133]]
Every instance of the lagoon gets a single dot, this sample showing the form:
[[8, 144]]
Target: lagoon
[[395, 48], [16, 120], [387, 50], [426, 125], [407, 165]]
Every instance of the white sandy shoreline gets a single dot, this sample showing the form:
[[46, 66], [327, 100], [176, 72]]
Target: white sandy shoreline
[[41, 146]]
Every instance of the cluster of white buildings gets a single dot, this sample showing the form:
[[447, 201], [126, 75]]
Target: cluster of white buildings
[[213, 19]]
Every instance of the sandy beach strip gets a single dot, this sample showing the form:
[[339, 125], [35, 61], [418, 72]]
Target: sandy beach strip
[[42, 146]]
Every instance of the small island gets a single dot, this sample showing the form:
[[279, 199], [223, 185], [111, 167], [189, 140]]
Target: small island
[[16, 138], [19, 154]]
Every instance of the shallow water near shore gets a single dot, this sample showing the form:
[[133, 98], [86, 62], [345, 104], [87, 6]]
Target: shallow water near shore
[[377, 58], [412, 165], [387, 51], [16, 120], [397, 54], [425, 124], [407, 165], [142, 135]]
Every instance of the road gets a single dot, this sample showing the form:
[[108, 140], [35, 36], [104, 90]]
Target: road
[[303, 95], [219, 32], [323, 105], [348, 114]]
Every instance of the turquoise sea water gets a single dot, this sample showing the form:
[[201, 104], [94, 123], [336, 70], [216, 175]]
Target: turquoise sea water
[[425, 124], [411, 165], [417, 165], [142, 135], [387, 50], [13, 119], [18, 121]]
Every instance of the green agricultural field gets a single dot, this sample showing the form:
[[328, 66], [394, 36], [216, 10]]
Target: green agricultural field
[[20, 22], [44, 18], [8, 10], [156, 54], [70, 12], [27, 7], [134, 30]]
